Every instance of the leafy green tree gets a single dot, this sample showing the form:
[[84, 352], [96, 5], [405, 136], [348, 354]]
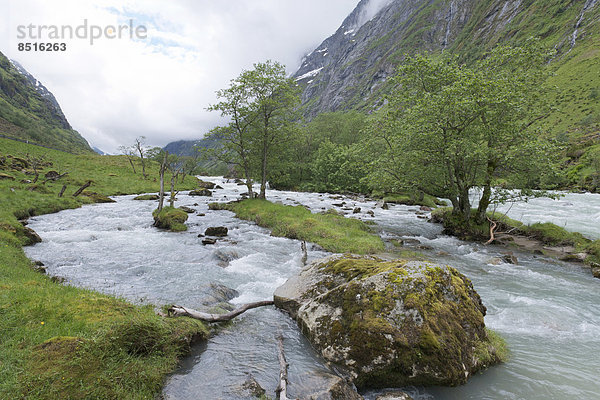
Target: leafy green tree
[[294, 162], [260, 105], [451, 127], [274, 99]]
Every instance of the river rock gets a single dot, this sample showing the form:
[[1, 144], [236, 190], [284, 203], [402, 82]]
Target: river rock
[[147, 197], [390, 323], [209, 241], [31, 236], [251, 388], [187, 209], [510, 258], [219, 231], [205, 185], [356, 210], [394, 396], [595, 269], [201, 192]]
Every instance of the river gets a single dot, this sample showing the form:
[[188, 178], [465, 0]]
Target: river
[[547, 310]]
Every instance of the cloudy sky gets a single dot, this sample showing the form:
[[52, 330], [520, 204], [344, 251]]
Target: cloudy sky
[[117, 89]]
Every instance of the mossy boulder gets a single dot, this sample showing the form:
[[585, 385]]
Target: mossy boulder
[[143, 197], [392, 323], [98, 198], [170, 218], [201, 192], [205, 185]]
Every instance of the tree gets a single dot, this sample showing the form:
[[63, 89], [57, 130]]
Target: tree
[[259, 104], [128, 152], [451, 127], [274, 97], [139, 147]]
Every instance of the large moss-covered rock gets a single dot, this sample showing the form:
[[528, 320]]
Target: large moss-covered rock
[[170, 218], [391, 323]]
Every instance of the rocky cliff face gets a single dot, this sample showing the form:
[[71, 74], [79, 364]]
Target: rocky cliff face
[[350, 68]]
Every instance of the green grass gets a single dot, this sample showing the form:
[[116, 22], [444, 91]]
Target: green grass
[[64, 342], [334, 233]]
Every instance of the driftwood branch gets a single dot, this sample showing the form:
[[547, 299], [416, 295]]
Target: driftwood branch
[[62, 191], [304, 253], [81, 189], [281, 390], [493, 225], [180, 311]]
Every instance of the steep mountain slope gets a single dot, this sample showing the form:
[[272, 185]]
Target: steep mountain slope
[[351, 68], [30, 112], [188, 148]]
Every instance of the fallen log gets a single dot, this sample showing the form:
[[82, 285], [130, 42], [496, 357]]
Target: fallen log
[[179, 311], [281, 390], [81, 189]]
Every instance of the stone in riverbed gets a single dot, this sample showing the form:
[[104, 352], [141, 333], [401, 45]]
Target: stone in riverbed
[[201, 192], [391, 323], [205, 185], [219, 231], [187, 209]]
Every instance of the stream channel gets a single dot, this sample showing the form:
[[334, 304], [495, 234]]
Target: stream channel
[[548, 311]]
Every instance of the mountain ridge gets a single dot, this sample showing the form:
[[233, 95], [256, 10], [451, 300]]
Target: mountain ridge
[[29, 111]]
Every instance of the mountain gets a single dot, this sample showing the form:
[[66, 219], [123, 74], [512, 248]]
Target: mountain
[[351, 68], [29, 111], [187, 147]]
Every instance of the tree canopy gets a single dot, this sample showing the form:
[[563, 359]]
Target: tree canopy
[[449, 127]]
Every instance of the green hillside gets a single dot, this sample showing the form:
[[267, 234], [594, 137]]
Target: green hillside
[[27, 115], [60, 341]]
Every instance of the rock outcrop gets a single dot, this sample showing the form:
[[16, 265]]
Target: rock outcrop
[[391, 323]]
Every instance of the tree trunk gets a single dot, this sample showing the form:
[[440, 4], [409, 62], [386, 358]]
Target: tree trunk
[[263, 177], [484, 202], [188, 312], [161, 194], [143, 165], [283, 372], [131, 163], [172, 199], [248, 181], [81, 189]]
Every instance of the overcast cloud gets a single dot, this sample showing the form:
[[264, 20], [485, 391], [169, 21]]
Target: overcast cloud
[[118, 89]]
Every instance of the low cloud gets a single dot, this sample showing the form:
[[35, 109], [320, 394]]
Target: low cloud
[[159, 87]]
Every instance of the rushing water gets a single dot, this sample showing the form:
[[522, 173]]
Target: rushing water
[[547, 310]]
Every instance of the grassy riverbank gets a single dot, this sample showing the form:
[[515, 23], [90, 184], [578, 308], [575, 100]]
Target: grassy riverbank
[[547, 233], [333, 232], [63, 342]]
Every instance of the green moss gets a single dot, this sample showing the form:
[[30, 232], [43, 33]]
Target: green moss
[[413, 199], [492, 350], [332, 232], [146, 197], [431, 312], [170, 218]]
